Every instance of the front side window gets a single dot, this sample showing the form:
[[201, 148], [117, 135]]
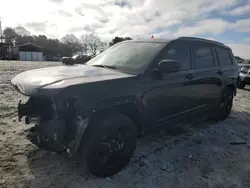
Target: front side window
[[75, 56], [203, 56], [178, 51], [131, 57]]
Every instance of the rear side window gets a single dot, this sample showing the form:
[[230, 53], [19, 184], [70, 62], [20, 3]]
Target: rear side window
[[203, 56], [223, 56], [178, 51]]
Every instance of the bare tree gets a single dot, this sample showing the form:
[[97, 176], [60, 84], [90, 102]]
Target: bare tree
[[72, 42], [92, 44], [20, 30]]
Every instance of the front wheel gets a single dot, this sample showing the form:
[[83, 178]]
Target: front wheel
[[108, 144]]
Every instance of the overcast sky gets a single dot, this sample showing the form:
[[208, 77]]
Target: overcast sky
[[225, 20]]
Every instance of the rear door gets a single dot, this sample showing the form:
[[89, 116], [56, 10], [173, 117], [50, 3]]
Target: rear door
[[227, 67], [207, 75]]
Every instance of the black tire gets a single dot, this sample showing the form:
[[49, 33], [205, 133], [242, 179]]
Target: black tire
[[240, 84], [225, 105], [108, 144]]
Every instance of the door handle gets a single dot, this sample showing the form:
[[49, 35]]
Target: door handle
[[189, 76], [220, 72]]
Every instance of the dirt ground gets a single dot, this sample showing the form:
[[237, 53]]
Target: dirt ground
[[197, 155]]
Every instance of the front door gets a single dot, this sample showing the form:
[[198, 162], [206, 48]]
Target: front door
[[174, 94]]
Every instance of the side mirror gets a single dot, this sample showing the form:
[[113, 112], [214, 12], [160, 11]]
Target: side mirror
[[168, 66]]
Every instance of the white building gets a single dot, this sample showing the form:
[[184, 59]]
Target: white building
[[30, 52]]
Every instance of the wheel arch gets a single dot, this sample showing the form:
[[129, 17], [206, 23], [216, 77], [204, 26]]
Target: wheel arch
[[231, 86], [129, 107]]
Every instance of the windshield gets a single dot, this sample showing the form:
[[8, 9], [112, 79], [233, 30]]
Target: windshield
[[75, 56], [128, 57]]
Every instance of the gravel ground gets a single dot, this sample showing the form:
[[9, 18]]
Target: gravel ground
[[194, 155]]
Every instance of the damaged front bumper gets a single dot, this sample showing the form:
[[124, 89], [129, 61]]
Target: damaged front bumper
[[57, 127], [31, 111]]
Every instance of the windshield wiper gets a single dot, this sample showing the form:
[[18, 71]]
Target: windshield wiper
[[105, 66]]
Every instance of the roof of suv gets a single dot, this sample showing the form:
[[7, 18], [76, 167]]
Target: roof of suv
[[159, 40], [162, 40]]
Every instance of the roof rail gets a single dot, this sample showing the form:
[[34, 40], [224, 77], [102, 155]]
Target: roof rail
[[201, 39]]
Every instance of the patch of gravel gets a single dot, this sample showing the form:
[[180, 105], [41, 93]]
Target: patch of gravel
[[192, 155]]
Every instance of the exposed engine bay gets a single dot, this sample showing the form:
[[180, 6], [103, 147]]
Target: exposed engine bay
[[57, 127]]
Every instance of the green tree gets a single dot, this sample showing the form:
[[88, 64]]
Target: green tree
[[118, 39], [9, 34]]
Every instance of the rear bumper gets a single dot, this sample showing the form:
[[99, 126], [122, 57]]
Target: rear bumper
[[244, 77]]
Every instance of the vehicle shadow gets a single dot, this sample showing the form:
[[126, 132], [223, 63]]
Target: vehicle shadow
[[178, 145]]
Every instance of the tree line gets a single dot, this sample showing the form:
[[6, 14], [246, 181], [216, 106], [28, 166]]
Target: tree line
[[89, 44]]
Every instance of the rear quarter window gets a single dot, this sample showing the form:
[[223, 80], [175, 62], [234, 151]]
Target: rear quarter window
[[223, 56]]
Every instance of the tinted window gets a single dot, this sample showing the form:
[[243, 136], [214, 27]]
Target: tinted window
[[203, 56], [178, 51], [223, 56]]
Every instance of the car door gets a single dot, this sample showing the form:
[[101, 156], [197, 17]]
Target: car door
[[207, 75], [173, 95], [227, 67]]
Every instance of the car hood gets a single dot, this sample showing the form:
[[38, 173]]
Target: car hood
[[50, 80]]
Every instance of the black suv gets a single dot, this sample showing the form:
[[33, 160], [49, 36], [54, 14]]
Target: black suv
[[99, 109]]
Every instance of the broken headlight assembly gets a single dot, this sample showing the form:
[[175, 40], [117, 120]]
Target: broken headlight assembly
[[55, 127], [36, 107]]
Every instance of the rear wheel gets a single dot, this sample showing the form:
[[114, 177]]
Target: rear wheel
[[108, 144], [225, 105], [240, 84]]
